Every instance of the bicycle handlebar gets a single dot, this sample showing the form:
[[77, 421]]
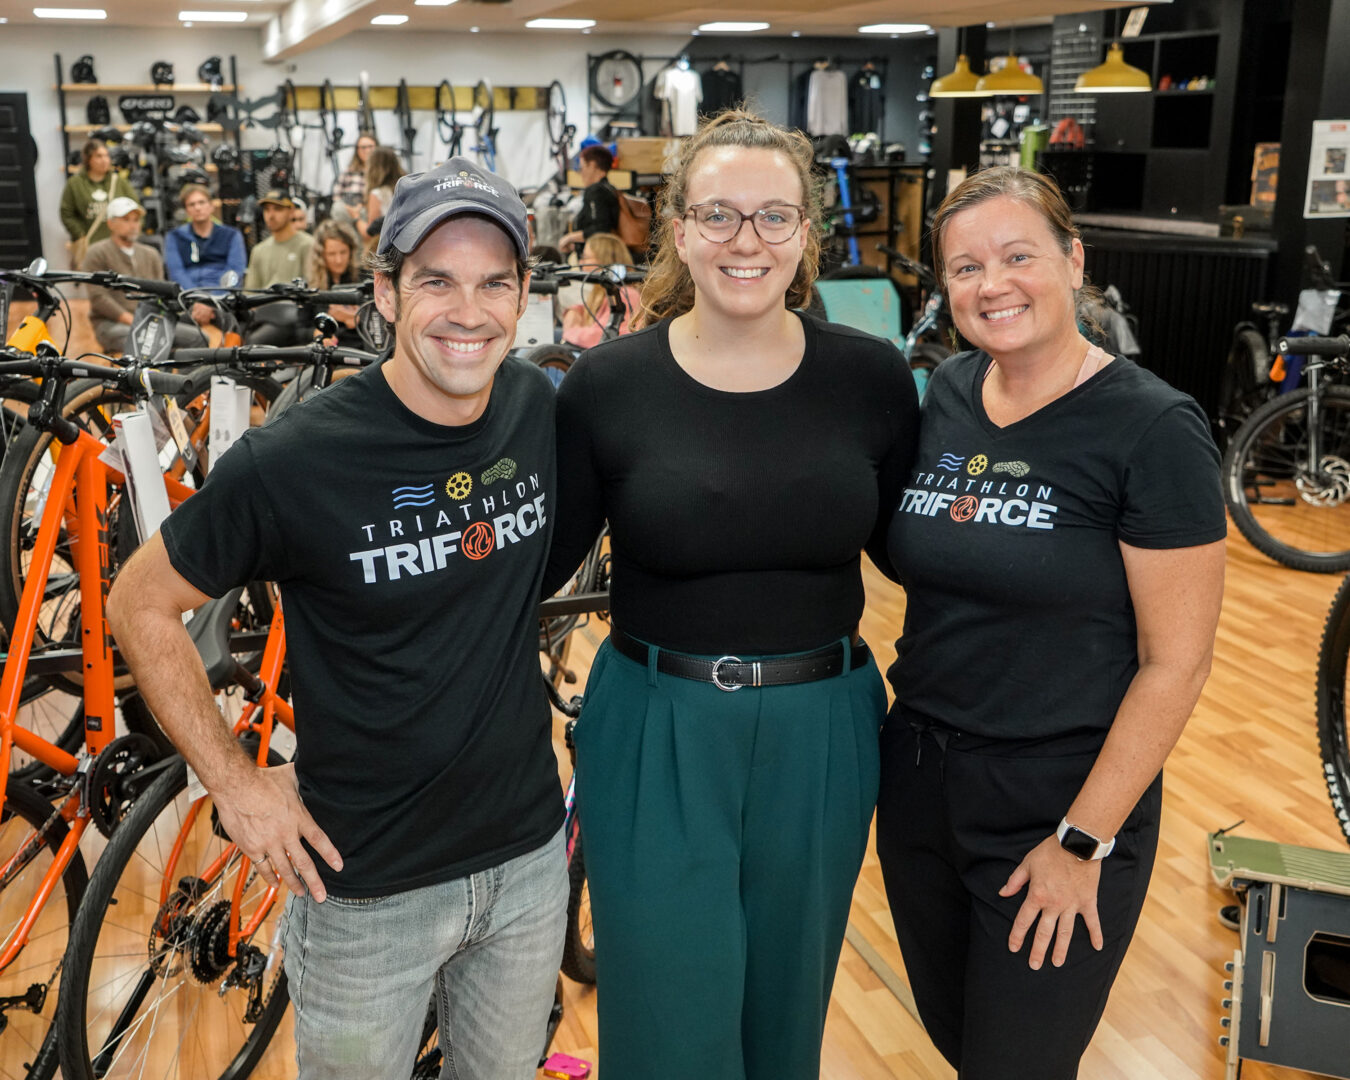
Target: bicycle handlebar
[[1316, 346], [167, 290], [240, 354]]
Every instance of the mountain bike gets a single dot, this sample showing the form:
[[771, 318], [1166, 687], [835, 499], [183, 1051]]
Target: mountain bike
[[1333, 733], [1286, 471], [448, 126]]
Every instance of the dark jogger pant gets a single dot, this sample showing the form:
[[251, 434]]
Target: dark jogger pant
[[955, 817], [723, 833]]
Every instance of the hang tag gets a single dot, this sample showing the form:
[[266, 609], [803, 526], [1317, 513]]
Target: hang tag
[[195, 788], [178, 430]]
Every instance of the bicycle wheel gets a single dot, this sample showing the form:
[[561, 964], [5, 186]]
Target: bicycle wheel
[[484, 113], [923, 361], [28, 1040], [1333, 741], [1295, 511], [578, 960], [616, 78], [149, 987], [556, 360], [1244, 383], [557, 115]]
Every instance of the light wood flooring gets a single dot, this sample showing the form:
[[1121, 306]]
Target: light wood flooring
[[1248, 753]]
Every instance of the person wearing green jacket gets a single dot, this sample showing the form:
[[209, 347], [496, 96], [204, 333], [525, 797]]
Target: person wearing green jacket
[[84, 202]]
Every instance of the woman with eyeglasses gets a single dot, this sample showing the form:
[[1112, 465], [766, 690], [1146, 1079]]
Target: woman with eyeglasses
[[744, 454]]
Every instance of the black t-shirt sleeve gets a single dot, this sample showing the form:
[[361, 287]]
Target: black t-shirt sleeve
[[226, 534], [580, 511], [894, 468], [1173, 495]]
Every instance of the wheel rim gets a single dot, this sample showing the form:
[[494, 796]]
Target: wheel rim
[[1297, 509], [172, 951]]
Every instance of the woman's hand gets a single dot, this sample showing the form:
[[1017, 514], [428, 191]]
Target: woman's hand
[[1060, 887], [344, 313]]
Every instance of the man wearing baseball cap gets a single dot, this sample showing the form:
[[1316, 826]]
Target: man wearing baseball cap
[[284, 255], [110, 312], [406, 513]]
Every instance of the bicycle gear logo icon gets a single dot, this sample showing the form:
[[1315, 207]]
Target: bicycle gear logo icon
[[977, 465], [964, 508], [459, 486], [477, 541], [503, 470]]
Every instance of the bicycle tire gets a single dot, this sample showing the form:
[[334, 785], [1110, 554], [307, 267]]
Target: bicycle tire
[[484, 103], [556, 360], [616, 78], [923, 361], [1333, 740], [1301, 520], [123, 969], [1244, 383], [28, 1042], [557, 115], [578, 959]]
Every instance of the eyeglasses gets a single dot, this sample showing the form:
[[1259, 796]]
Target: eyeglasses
[[720, 224]]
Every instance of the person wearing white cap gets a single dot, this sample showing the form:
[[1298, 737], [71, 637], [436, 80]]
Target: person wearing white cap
[[406, 514], [110, 311]]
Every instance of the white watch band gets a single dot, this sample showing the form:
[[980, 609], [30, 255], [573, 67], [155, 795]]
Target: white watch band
[[1104, 848]]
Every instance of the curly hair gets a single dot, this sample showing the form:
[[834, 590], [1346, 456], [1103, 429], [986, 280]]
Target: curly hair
[[669, 289], [317, 274]]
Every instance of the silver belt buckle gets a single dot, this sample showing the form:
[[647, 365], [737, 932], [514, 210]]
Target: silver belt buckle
[[717, 682]]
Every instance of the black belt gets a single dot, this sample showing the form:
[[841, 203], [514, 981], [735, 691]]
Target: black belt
[[732, 673]]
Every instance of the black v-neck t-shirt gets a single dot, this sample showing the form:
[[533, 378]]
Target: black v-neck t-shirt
[[737, 518], [1018, 621]]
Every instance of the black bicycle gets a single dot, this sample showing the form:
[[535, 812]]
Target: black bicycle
[[1286, 472]]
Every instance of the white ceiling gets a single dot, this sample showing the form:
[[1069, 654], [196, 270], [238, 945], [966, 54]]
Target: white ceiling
[[292, 26]]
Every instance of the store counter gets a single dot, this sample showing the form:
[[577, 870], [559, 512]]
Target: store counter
[[1188, 286]]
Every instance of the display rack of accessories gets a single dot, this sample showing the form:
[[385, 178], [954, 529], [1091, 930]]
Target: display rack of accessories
[[161, 143], [927, 117]]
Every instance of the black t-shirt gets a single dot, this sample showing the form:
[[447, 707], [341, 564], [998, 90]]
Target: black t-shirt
[[737, 518], [1018, 621], [721, 90], [599, 209], [409, 557]]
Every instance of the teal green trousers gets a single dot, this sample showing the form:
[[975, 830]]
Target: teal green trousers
[[723, 833]]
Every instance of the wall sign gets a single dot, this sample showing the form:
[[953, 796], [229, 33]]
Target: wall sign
[[1329, 171]]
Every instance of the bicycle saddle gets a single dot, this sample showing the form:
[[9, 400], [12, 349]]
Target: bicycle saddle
[[209, 629]]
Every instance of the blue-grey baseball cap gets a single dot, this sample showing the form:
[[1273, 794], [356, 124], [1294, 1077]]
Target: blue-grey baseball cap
[[459, 186]]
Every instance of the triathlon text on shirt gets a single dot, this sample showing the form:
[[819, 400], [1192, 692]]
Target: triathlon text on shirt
[[425, 541], [962, 489]]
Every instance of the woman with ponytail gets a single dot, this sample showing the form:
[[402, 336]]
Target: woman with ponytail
[[744, 454]]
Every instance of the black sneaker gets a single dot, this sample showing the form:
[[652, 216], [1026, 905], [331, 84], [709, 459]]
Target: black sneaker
[[1230, 915]]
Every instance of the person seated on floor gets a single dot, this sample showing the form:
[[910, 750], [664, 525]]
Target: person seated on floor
[[199, 253], [110, 310]]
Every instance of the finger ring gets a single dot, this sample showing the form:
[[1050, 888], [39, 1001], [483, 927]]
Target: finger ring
[[262, 860]]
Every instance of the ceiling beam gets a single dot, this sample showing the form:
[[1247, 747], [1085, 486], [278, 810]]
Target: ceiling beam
[[306, 24]]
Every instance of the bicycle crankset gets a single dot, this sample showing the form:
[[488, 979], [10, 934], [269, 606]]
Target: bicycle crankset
[[114, 781]]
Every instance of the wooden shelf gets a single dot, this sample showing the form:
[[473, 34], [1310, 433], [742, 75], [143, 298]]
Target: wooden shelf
[[85, 129], [175, 88]]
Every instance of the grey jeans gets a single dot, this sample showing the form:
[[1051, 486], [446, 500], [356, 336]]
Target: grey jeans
[[486, 947]]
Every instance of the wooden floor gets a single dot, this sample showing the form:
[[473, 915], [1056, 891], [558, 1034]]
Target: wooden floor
[[1249, 753]]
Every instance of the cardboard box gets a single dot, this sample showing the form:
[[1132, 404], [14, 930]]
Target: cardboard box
[[650, 156]]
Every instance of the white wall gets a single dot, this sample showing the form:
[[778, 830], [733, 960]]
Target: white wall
[[124, 55]]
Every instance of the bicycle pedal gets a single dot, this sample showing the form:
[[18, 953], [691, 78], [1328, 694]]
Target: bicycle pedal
[[566, 1067]]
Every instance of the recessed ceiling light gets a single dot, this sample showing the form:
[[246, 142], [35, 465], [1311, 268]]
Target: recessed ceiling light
[[894, 28], [212, 16], [733, 27], [473, 29], [388, 20], [560, 24], [796, 33], [433, 3], [69, 13]]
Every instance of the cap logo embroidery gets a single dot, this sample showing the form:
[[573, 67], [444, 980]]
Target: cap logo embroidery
[[464, 180]]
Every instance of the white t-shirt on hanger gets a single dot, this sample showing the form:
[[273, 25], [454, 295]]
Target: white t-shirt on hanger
[[682, 90], [827, 103]]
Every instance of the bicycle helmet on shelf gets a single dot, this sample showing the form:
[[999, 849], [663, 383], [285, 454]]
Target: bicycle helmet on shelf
[[186, 114], [97, 111], [121, 156], [209, 72], [161, 73], [225, 156], [193, 176], [142, 133], [82, 71], [107, 134]]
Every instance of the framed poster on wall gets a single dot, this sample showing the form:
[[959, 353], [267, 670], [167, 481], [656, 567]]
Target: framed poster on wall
[[1329, 170]]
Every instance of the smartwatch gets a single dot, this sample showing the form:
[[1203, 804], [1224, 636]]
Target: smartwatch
[[1082, 844]]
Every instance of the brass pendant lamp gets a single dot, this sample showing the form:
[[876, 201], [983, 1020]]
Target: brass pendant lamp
[[1114, 76], [1011, 79], [960, 81]]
